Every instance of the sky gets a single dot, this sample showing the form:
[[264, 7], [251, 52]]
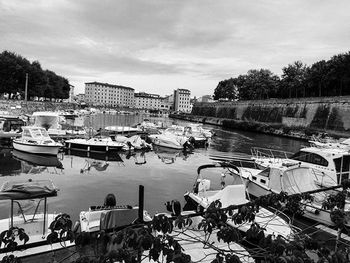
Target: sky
[[156, 46]]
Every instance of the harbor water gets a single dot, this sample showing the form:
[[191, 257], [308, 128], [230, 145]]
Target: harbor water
[[84, 180]]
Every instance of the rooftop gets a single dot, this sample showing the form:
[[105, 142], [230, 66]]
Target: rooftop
[[108, 85]]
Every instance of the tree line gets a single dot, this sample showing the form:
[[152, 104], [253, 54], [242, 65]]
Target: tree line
[[323, 78], [41, 83]]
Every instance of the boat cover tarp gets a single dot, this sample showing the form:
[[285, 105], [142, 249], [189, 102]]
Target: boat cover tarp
[[119, 217], [47, 121], [27, 190], [293, 181]]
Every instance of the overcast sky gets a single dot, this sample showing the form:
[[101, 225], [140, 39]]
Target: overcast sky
[[157, 46]]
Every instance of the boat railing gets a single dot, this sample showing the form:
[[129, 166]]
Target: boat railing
[[259, 153]]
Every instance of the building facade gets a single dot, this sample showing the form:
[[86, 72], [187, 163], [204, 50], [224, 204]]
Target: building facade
[[182, 100], [105, 94], [147, 101]]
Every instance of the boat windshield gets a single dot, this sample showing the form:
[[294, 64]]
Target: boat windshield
[[342, 166], [310, 158], [37, 133]]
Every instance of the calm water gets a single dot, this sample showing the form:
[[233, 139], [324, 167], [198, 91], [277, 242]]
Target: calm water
[[166, 174]]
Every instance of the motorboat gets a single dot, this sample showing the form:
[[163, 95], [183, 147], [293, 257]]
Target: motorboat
[[113, 130], [341, 144], [112, 216], [98, 218], [170, 140], [36, 140], [29, 214], [293, 180], [230, 190], [333, 165], [94, 144], [10, 127], [194, 136], [134, 142]]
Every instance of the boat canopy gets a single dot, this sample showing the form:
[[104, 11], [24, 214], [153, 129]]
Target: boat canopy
[[293, 181], [218, 165], [27, 190], [35, 132]]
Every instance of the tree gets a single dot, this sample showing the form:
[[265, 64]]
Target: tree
[[226, 89], [293, 80], [258, 84]]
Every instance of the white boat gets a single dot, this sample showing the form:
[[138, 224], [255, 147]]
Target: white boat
[[36, 140], [95, 144], [170, 140], [293, 180], [194, 136], [29, 198], [230, 191], [108, 217], [134, 142], [122, 130], [332, 164]]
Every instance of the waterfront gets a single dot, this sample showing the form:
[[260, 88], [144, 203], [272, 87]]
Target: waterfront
[[166, 174]]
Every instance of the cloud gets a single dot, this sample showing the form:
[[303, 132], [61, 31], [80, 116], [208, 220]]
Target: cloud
[[171, 40]]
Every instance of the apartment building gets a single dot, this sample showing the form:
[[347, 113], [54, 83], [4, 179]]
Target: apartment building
[[147, 101], [182, 100], [105, 94]]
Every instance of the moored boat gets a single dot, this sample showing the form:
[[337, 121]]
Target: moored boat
[[10, 127], [95, 144], [29, 228], [36, 140], [230, 191]]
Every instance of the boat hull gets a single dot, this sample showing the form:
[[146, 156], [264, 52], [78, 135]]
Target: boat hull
[[83, 145], [36, 149]]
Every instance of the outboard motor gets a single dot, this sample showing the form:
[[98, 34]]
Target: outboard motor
[[174, 207]]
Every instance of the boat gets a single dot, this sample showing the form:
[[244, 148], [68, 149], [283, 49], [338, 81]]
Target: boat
[[170, 140], [332, 164], [36, 140], [113, 130], [293, 180], [230, 190], [194, 136], [134, 142], [112, 216], [29, 198], [94, 144], [10, 127], [98, 218]]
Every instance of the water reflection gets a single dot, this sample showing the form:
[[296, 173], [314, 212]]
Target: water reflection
[[8, 165], [93, 161], [36, 163], [139, 157], [169, 156]]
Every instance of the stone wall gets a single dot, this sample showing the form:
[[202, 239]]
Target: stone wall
[[19, 107], [331, 114]]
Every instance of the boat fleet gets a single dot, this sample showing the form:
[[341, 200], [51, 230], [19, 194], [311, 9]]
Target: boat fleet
[[52, 131]]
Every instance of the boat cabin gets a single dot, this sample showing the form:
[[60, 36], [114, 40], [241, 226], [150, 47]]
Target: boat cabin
[[35, 134], [326, 160]]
